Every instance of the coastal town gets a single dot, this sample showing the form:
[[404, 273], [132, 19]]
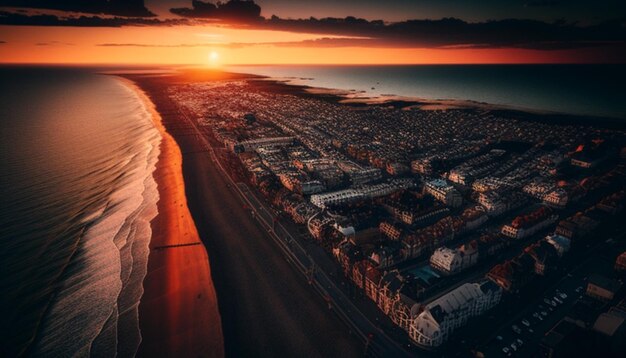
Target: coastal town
[[431, 221]]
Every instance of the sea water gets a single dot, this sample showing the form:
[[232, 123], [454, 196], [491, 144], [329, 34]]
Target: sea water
[[77, 153], [590, 90]]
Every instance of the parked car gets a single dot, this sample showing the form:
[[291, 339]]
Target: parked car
[[516, 329], [556, 299], [499, 338], [526, 323], [563, 295], [506, 351], [544, 313], [578, 289], [514, 346], [519, 342]]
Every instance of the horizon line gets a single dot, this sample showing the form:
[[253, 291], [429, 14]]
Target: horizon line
[[93, 64]]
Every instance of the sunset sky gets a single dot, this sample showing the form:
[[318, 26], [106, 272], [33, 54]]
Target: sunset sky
[[283, 31]]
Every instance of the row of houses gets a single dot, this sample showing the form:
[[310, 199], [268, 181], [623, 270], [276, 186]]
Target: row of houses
[[452, 261], [253, 144], [431, 162], [539, 257], [526, 225], [427, 325], [584, 222], [498, 202], [547, 191], [358, 194], [404, 243], [477, 167], [408, 207], [535, 259], [486, 184], [300, 183]]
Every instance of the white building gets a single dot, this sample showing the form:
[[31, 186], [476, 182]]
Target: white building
[[336, 197], [252, 144], [364, 192], [444, 192], [450, 261], [440, 318]]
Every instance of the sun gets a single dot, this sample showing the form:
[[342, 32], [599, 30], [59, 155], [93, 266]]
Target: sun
[[214, 58]]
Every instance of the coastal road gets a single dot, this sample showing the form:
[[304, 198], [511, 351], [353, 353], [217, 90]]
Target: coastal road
[[377, 343], [266, 307]]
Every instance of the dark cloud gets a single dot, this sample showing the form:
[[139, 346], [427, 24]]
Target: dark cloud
[[231, 10], [443, 33], [334, 42], [541, 3], [20, 19], [134, 8], [446, 33], [322, 42], [454, 32]]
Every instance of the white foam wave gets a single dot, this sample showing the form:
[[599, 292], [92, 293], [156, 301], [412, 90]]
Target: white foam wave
[[95, 311]]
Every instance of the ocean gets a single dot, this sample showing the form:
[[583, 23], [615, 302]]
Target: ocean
[[77, 152], [589, 90]]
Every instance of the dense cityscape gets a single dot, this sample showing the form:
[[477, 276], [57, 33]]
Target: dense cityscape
[[436, 221], [319, 179]]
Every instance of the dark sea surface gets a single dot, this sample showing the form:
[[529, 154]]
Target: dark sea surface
[[591, 90], [77, 152]]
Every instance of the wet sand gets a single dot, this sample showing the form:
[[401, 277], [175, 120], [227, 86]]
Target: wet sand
[[178, 313]]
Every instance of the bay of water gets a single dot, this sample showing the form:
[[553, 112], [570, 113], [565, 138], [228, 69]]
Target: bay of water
[[591, 90]]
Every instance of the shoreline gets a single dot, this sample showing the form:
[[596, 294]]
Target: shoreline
[[360, 99], [357, 99], [178, 312], [262, 300]]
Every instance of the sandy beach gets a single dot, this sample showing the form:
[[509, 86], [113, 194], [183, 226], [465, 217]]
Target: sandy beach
[[267, 308], [178, 312]]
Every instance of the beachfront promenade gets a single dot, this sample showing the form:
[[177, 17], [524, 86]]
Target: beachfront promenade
[[265, 305], [377, 343]]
